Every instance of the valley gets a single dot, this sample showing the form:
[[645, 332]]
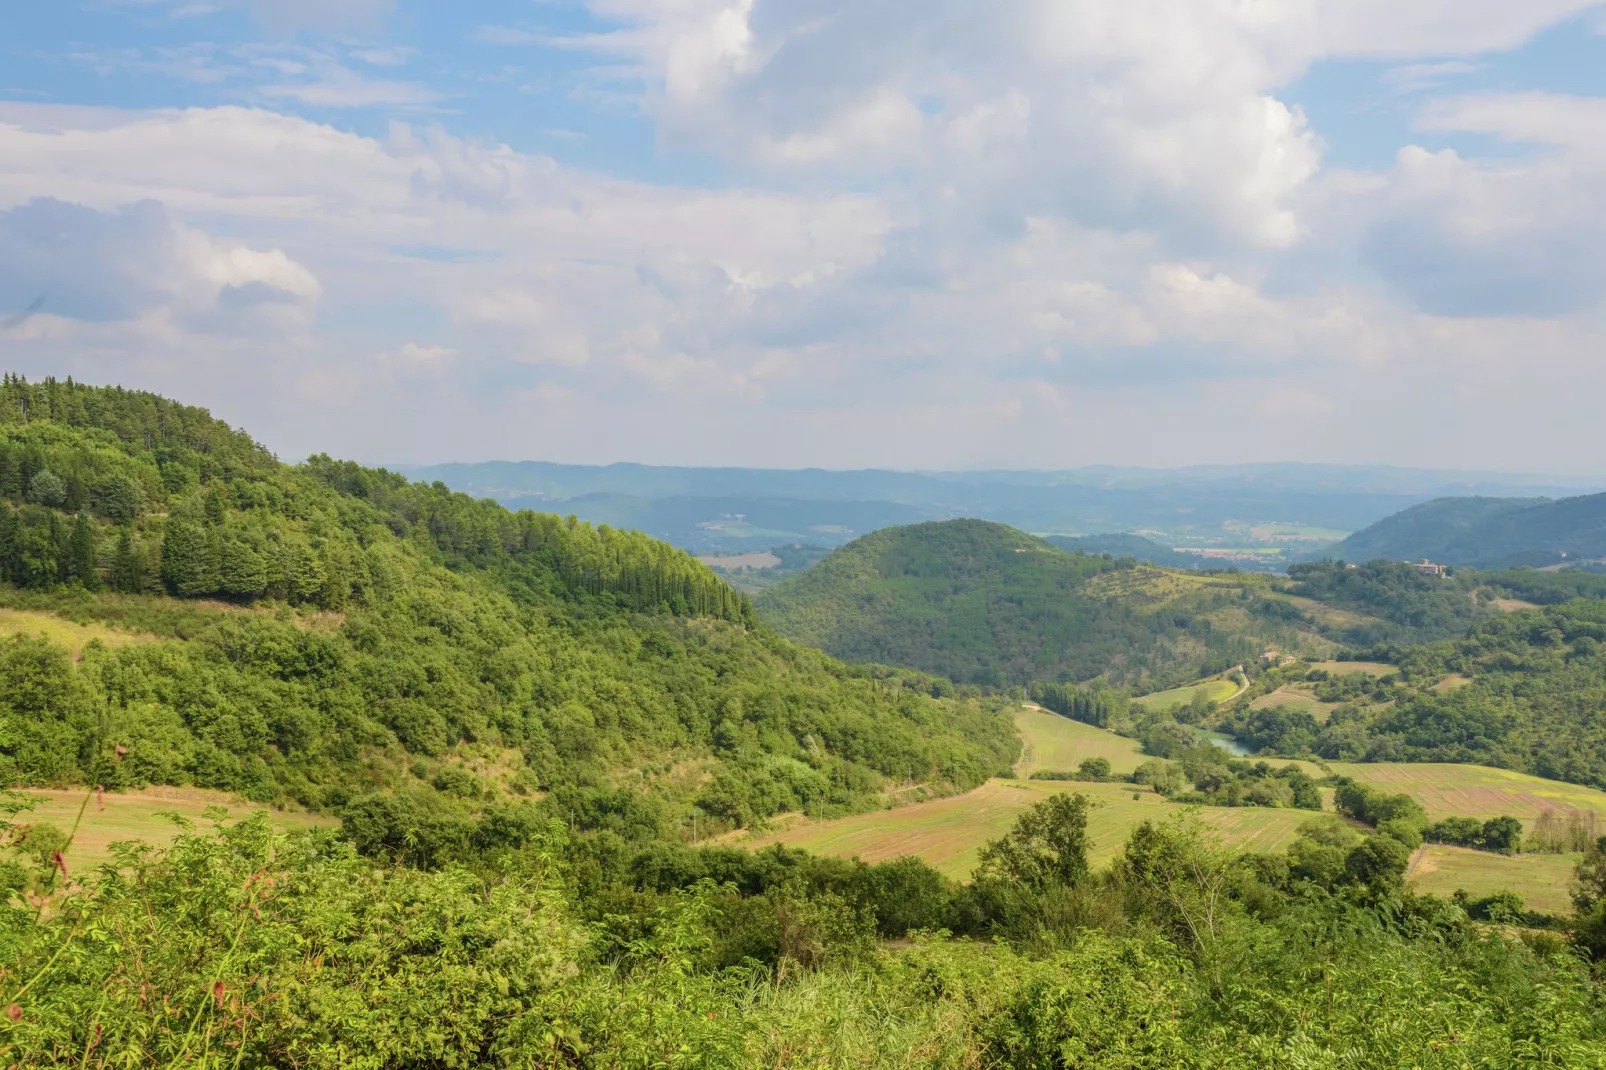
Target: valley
[[475, 786]]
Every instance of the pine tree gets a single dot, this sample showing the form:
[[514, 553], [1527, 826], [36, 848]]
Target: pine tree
[[10, 476], [81, 554], [127, 576], [10, 545]]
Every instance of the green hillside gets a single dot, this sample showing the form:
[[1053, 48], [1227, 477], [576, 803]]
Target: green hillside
[[323, 632], [982, 603], [1123, 545], [1486, 532]]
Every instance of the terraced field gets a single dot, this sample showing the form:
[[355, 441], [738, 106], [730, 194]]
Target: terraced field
[[139, 816]]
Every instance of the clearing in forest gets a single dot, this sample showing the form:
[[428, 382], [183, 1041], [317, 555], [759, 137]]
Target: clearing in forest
[[63, 632], [1295, 700], [1543, 881], [138, 815], [1214, 691]]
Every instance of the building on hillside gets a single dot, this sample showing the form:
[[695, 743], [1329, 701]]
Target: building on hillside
[[1430, 568]]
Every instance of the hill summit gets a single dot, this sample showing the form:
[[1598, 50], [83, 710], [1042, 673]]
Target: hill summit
[[1487, 532], [984, 603]]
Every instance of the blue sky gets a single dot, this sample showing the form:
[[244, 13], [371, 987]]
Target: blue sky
[[1036, 233]]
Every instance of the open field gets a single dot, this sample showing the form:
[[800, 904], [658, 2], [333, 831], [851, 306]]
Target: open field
[[1293, 700], [948, 833], [1475, 790], [63, 632], [1349, 668], [134, 816], [1214, 691], [1541, 880], [1059, 743], [740, 562]]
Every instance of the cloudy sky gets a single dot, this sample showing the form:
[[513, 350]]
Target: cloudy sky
[[849, 233]]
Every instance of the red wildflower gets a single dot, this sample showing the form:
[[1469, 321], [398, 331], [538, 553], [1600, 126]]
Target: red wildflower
[[14, 1012]]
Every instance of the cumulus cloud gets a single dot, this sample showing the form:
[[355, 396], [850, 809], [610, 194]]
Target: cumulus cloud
[[950, 234]]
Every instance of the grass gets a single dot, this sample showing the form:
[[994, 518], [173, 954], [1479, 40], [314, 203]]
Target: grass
[[949, 833], [64, 632], [1295, 701], [1059, 743], [137, 816], [1349, 668], [1541, 880], [1475, 790], [1214, 691]]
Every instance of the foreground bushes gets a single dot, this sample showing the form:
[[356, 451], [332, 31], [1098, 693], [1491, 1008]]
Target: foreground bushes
[[243, 948]]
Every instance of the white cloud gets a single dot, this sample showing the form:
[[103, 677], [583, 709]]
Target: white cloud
[[1031, 232]]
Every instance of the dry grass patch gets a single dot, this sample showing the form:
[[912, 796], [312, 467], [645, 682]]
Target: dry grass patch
[[1349, 668], [1478, 791], [137, 815], [1543, 881], [1295, 700], [63, 632]]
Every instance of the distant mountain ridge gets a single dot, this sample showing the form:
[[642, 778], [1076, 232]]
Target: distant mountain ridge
[[1487, 532], [724, 510]]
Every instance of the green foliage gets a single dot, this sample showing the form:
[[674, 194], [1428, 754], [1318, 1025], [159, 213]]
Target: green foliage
[[1499, 834], [1409, 606], [1047, 847], [983, 603], [365, 621]]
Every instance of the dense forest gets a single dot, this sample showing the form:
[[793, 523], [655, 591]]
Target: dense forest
[[321, 632], [983, 603]]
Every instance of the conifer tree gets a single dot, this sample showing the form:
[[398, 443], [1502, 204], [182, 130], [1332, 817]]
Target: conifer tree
[[81, 554], [127, 577]]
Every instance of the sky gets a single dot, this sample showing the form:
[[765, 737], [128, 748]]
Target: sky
[[924, 234]]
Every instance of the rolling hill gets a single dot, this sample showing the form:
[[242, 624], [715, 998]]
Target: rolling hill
[[983, 603], [1124, 545], [1487, 532], [186, 610]]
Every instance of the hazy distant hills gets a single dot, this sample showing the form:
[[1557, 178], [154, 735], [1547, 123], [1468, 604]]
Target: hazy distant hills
[[1292, 507], [1134, 546], [1487, 532]]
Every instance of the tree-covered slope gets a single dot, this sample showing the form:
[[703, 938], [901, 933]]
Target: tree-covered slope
[[1486, 532], [980, 602], [1125, 545], [325, 631]]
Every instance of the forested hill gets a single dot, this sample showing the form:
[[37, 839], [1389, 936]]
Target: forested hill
[[1486, 532], [980, 602], [322, 632]]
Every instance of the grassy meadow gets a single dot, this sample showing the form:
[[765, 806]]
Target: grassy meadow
[[1213, 690], [948, 833], [1543, 881], [63, 632], [140, 815]]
